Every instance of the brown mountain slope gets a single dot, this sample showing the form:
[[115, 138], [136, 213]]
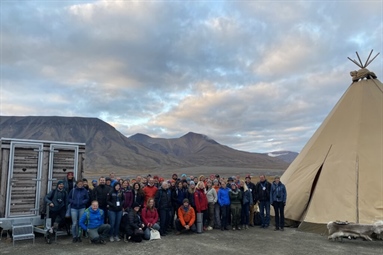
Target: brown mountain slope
[[109, 150]]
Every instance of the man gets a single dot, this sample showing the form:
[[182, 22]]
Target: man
[[113, 179], [57, 200], [92, 221], [251, 187], [94, 184], [150, 190], [108, 182], [100, 194], [186, 218], [175, 177], [164, 205], [262, 195]]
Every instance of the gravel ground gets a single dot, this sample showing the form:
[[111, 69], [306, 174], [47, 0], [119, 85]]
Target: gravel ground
[[250, 241]]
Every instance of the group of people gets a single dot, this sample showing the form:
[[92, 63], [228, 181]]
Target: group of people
[[134, 209]]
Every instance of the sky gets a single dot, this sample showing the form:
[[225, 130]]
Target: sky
[[257, 76]]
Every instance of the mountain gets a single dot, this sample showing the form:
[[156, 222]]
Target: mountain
[[107, 149], [287, 156]]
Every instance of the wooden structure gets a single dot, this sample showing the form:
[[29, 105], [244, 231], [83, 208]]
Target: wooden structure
[[29, 169]]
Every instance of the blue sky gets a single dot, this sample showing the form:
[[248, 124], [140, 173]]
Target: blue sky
[[257, 76]]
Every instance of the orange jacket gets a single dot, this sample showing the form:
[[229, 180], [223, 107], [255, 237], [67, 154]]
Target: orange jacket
[[186, 218]]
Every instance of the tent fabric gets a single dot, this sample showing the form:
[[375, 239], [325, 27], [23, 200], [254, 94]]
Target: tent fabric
[[339, 173]]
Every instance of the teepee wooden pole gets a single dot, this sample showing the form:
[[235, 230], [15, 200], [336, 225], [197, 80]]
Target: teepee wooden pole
[[354, 61], [360, 61], [365, 64], [373, 59]]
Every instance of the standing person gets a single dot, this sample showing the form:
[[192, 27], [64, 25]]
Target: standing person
[[149, 218], [115, 201], [69, 182], [262, 194], [211, 195], [128, 195], [172, 188], [224, 202], [78, 199], [247, 201], [100, 193], [57, 200], [138, 194], [217, 208], [150, 191], [180, 193], [191, 192], [201, 203], [186, 218], [235, 205], [86, 187], [163, 202], [278, 196], [92, 221], [94, 184], [251, 187]]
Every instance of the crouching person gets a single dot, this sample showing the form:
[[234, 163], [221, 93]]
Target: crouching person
[[135, 226], [186, 218], [92, 221]]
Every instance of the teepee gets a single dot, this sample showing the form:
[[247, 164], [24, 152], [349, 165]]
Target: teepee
[[339, 173]]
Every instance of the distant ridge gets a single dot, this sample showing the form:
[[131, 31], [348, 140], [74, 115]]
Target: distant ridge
[[109, 150]]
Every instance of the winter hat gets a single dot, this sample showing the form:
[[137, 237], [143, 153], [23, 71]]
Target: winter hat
[[185, 200], [192, 183], [135, 204], [60, 182], [183, 175], [188, 179], [93, 181]]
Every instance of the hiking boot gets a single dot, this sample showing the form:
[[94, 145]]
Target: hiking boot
[[276, 229], [246, 227], [233, 228], [238, 228], [282, 229], [111, 239], [102, 241]]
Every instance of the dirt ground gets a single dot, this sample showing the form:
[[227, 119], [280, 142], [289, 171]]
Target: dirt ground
[[251, 241]]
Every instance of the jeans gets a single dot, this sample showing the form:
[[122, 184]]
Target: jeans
[[114, 221], [147, 231], [279, 209], [101, 232], [76, 216], [245, 213], [265, 218]]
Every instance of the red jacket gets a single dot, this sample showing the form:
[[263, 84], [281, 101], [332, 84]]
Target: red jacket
[[200, 200], [149, 216], [150, 191]]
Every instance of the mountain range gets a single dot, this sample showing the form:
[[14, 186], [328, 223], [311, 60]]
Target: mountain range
[[109, 150]]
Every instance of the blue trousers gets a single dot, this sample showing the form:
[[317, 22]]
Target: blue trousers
[[76, 216], [114, 222], [264, 210]]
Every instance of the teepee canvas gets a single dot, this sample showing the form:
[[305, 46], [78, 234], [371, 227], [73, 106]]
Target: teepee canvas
[[339, 173]]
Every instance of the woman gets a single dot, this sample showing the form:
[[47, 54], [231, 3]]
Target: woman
[[191, 191], [150, 218], [247, 201], [135, 227], [78, 199], [211, 195], [201, 203], [235, 205], [224, 202], [128, 195], [138, 194], [115, 200], [278, 197]]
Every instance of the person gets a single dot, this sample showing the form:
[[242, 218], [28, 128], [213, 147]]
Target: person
[[78, 200], [186, 218], [179, 194], [278, 196], [57, 200], [247, 202], [128, 195], [108, 182], [86, 187], [94, 184], [150, 190], [149, 217], [251, 187], [235, 205], [113, 179], [92, 221], [138, 194], [224, 202], [175, 177], [115, 200], [262, 194], [69, 182], [100, 193], [201, 203], [135, 226], [217, 210], [211, 195], [191, 192], [164, 204]]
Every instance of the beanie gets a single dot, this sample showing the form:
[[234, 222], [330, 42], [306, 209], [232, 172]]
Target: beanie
[[192, 183], [60, 182]]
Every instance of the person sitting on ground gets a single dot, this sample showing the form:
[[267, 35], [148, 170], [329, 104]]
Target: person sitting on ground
[[150, 217], [92, 221], [135, 227], [186, 218]]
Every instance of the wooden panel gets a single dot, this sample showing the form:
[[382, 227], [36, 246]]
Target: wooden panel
[[63, 159]]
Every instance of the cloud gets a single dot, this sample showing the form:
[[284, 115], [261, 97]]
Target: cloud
[[253, 75]]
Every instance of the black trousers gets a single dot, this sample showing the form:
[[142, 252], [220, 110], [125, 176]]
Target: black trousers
[[279, 209]]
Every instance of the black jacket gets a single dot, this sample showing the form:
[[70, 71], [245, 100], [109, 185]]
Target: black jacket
[[100, 193], [115, 200], [262, 191], [163, 199]]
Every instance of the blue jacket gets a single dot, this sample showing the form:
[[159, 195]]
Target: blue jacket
[[278, 193], [78, 198], [92, 219], [223, 196]]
